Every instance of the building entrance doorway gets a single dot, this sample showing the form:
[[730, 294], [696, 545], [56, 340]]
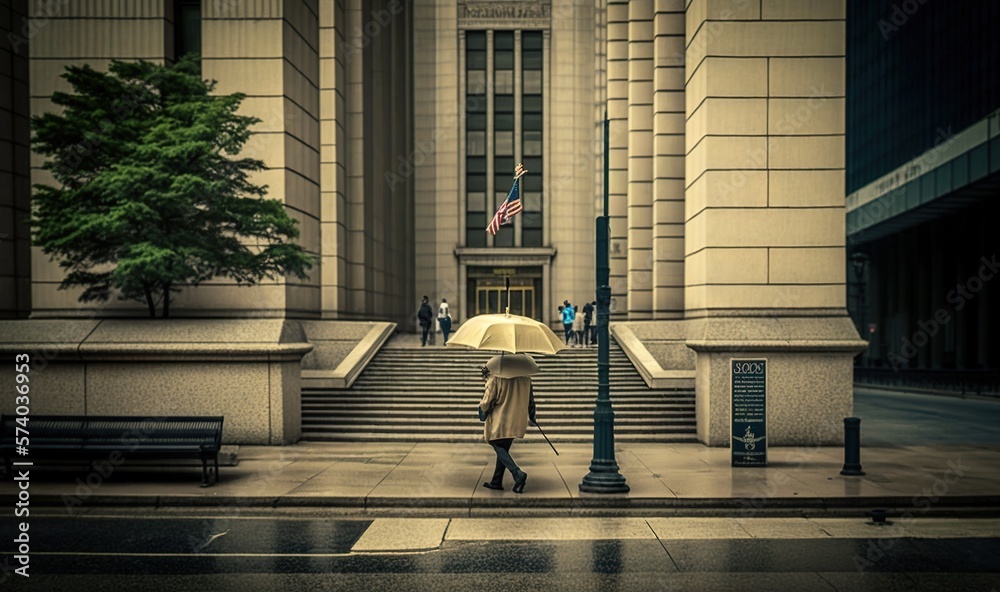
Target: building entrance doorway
[[493, 299], [487, 293]]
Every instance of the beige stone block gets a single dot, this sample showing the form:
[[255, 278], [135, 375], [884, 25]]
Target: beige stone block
[[764, 296], [269, 147], [333, 239], [208, 298], [669, 274], [670, 143], [669, 172], [242, 38], [809, 394], [768, 38], [806, 152], [668, 101], [807, 266], [699, 11], [100, 38], [807, 77], [803, 9], [58, 386], [46, 75], [641, 299], [309, 230], [805, 188], [726, 77], [44, 268], [726, 266], [668, 52], [820, 115], [770, 227], [725, 153], [640, 118], [727, 117], [726, 189], [270, 110], [668, 246], [239, 392], [47, 299], [261, 77]]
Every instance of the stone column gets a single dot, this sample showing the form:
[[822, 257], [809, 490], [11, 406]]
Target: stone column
[[269, 51], [438, 118], [336, 52], [640, 160], [618, 157], [764, 233], [668, 160]]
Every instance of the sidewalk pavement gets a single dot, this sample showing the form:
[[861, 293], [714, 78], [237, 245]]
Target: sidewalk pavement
[[442, 479]]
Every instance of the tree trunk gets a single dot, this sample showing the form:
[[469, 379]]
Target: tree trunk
[[149, 301], [166, 300]]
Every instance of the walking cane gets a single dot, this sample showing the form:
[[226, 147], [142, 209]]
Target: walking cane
[[547, 439]]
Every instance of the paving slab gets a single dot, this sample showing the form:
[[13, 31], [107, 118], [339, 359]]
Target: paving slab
[[394, 535], [547, 529]]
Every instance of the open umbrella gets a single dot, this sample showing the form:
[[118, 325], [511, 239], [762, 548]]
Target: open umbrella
[[512, 366], [506, 333]]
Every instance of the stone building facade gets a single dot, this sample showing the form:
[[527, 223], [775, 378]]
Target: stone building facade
[[391, 129]]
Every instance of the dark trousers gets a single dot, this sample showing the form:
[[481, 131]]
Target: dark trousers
[[569, 331], [587, 339], [504, 460], [423, 338], [445, 328]]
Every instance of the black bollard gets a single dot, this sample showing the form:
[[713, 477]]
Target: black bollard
[[852, 447]]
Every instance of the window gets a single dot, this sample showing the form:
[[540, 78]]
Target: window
[[506, 143]]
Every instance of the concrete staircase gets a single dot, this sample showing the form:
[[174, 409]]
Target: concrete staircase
[[431, 394]]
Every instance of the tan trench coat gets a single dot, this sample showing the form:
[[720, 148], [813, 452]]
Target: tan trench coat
[[506, 400]]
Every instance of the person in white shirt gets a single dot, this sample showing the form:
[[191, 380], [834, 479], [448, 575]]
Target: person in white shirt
[[444, 319]]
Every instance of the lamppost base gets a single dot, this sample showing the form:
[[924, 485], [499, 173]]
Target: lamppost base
[[604, 482]]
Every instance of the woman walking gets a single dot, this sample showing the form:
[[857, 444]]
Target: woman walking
[[507, 407]]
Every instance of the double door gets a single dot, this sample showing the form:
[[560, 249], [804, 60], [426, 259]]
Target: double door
[[493, 300]]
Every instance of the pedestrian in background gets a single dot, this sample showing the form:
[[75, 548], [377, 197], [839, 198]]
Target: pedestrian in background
[[506, 408], [578, 327], [444, 319], [568, 315], [588, 320], [593, 327], [426, 316]]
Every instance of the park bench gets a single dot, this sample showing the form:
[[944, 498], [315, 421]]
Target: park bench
[[115, 439]]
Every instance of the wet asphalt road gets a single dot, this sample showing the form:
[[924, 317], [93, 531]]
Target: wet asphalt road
[[245, 554], [906, 419]]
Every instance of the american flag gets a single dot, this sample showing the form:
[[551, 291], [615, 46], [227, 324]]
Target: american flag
[[510, 206]]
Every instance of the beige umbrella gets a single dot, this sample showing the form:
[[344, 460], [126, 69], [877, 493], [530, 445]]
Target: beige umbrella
[[512, 365], [507, 333]]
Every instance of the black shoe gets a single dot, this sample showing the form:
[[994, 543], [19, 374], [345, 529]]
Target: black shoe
[[519, 483], [489, 485]]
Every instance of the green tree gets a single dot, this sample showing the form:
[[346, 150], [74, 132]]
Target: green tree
[[151, 194]]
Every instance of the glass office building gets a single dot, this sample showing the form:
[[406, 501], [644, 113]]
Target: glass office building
[[922, 177]]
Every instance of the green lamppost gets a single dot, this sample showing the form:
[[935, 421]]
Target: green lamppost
[[603, 476]]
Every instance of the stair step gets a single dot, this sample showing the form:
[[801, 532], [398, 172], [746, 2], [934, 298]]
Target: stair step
[[430, 394]]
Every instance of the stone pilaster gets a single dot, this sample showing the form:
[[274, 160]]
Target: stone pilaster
[[668, 160], [764, 233], [640, 160], [617, 95]]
